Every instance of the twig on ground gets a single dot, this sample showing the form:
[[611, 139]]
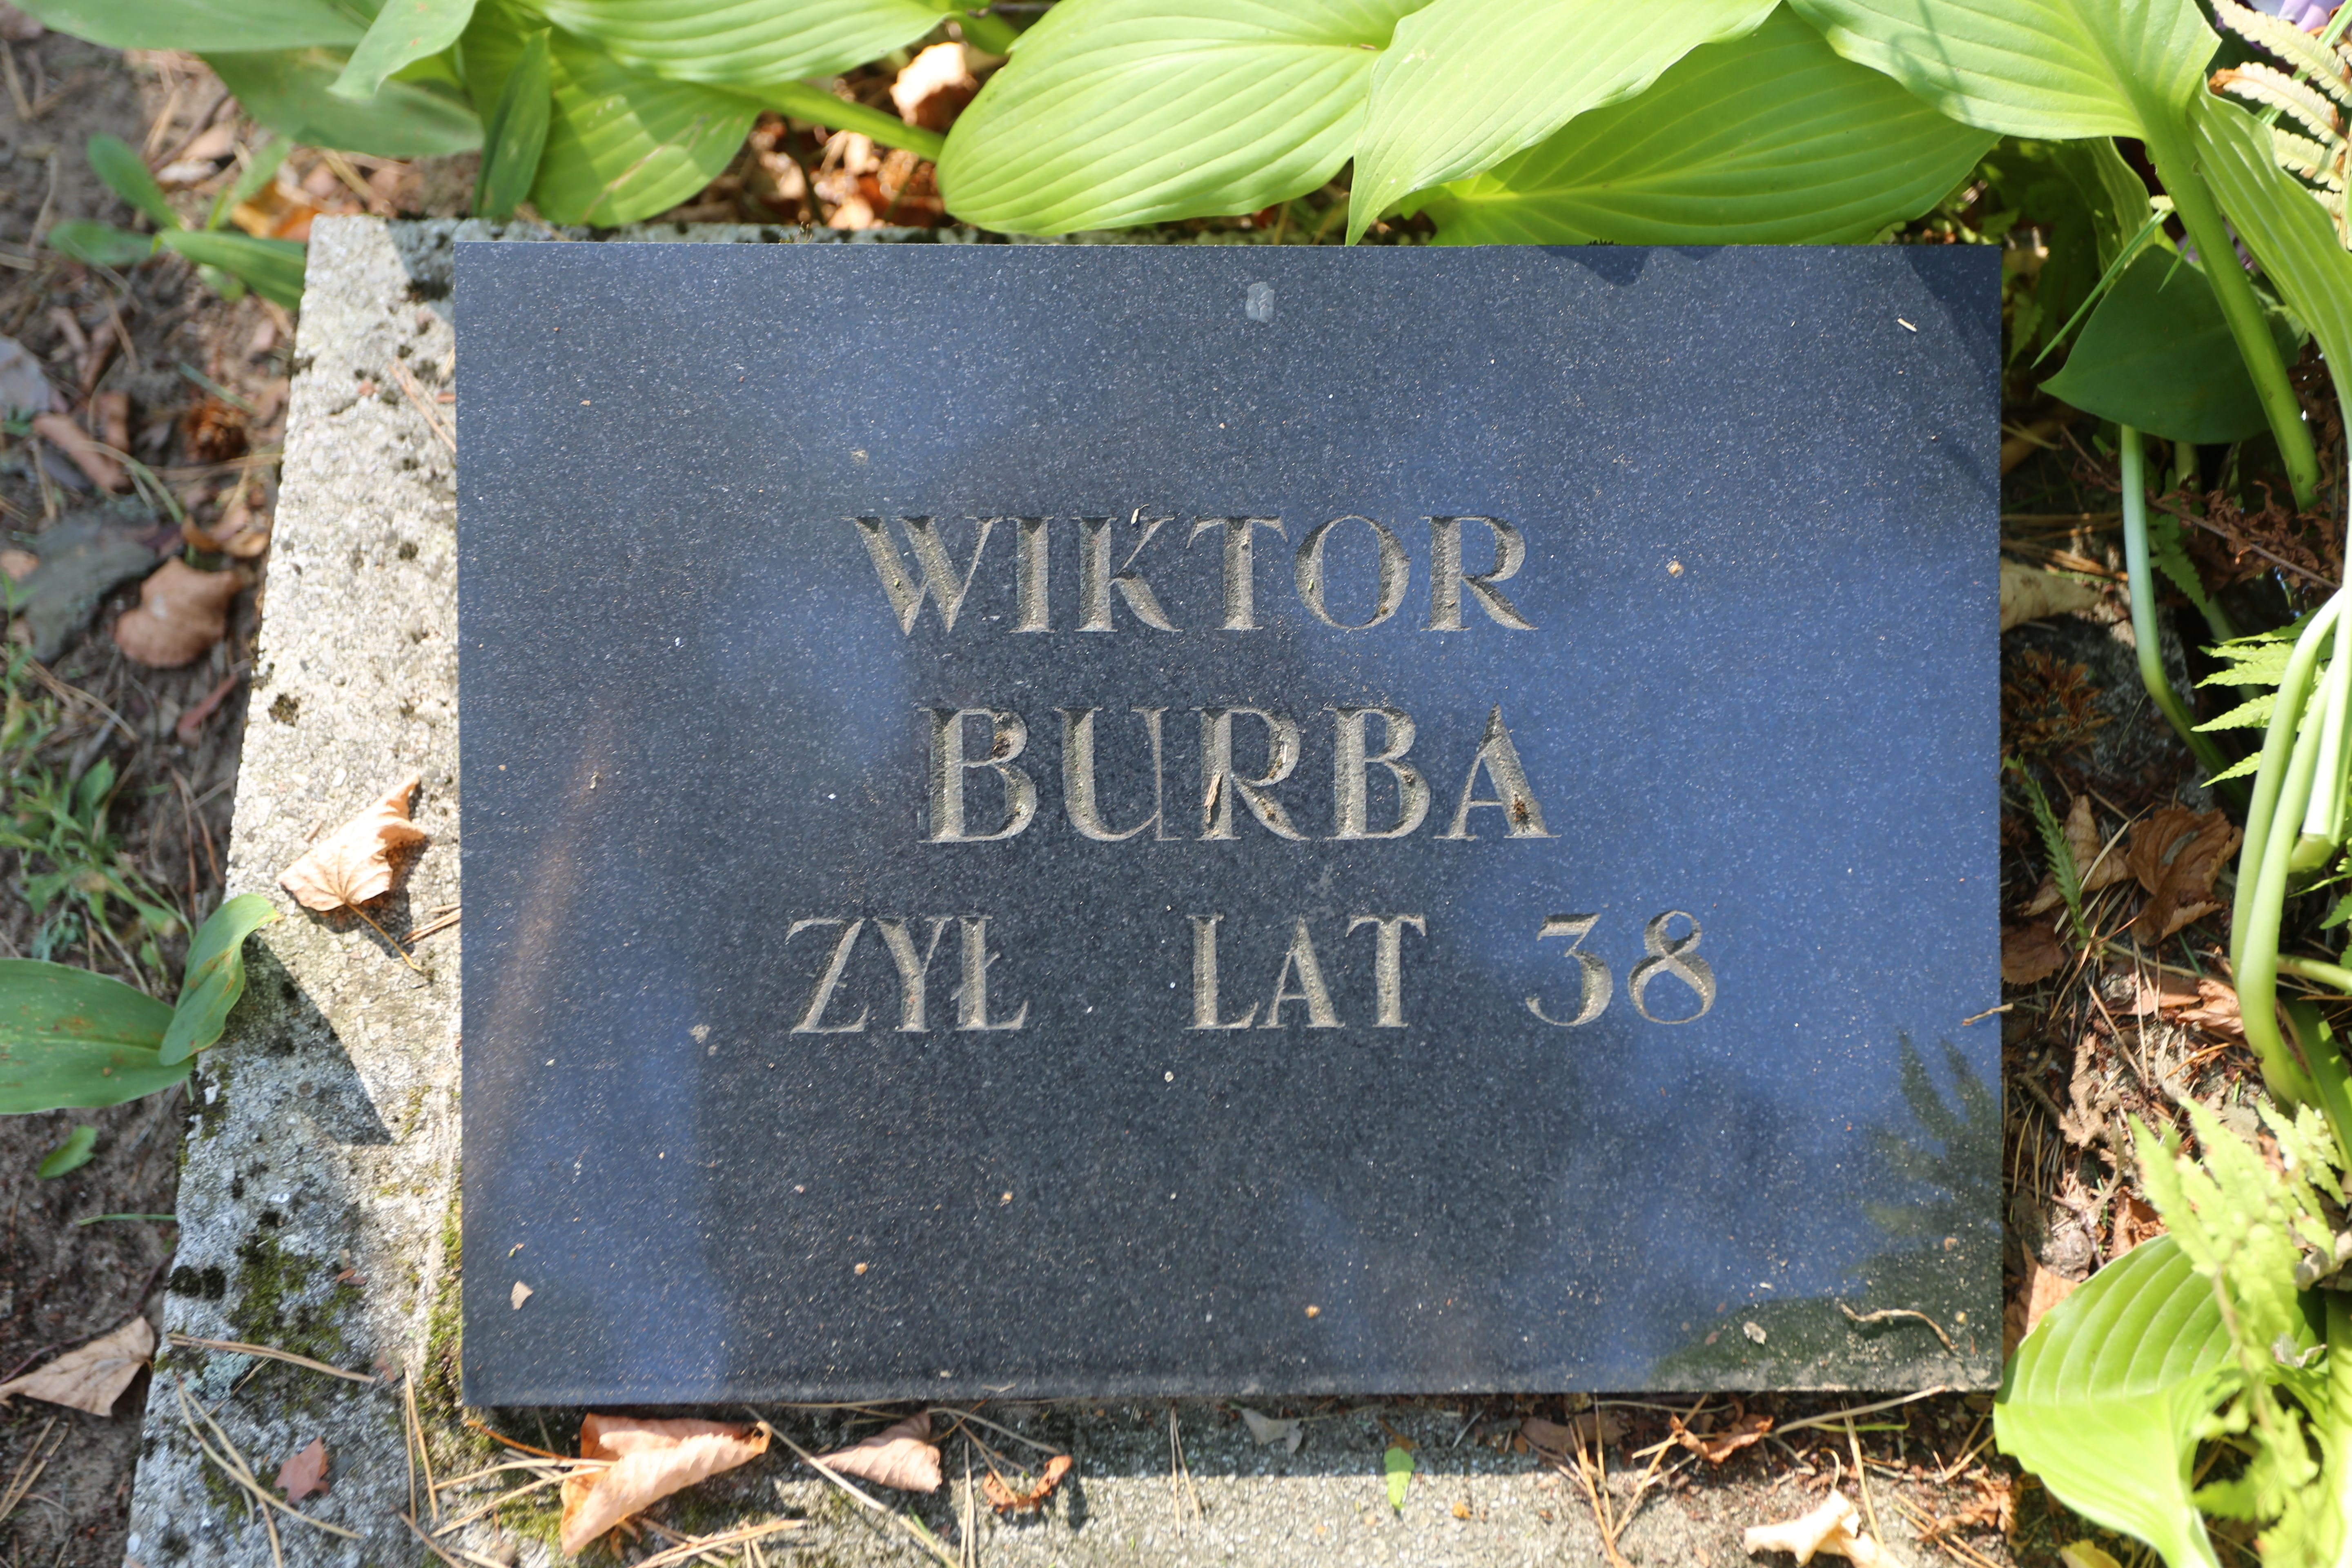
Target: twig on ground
[[519, 1446], [923, 1537], [1834, 1416], [240, 1347], [742, 1535], [1891, 1315], [423, 1453], [425, 405], [1862, 1480], [30, 1472]]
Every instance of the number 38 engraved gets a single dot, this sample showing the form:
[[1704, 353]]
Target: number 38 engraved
[[1670, 955]]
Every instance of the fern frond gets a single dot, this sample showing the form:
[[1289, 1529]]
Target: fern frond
[[2271, 87], [2300, 155], [2292, 45], [2252, 714], [2250, 664]]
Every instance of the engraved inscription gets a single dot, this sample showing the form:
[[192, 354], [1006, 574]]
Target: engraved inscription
[[1669, 955]]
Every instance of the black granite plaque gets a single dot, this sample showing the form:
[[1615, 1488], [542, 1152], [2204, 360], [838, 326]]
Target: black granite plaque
[[1062, 820]]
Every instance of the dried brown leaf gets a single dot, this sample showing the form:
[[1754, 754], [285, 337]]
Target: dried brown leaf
[[1832, 1529], [181, 612], [1553, 1440], [2027, 594], [900, 1457], [2029, 952], [93, 1377], [2083, 842], [651, 1460], [1265, 1429], [2135, 1221], [2217, 1010], [306, 1472], [1004, 1500], [69, 438], [1716, 1447], [2176, 853], [2041, 1289], [361, 859], [935, 87]]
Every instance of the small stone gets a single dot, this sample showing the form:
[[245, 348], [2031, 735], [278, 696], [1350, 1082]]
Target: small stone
[[1753, 1331]]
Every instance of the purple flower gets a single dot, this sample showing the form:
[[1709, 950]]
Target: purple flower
[[2309, 15]]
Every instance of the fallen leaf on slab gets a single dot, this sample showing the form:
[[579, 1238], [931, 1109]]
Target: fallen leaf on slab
[[1714, 1447], [935, 87], [305, 1472], [1834, 1530], [2176, 853], [68, 437], [182, 612], [900, 1457], [361, 859], [651, 1460], [1004, 1500], [2029, 952], [1266, 1429], [93, 1377], [520, 1294]]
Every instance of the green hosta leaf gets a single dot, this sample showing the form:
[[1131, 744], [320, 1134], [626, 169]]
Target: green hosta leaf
[[99, 244], [620, 145], [72, 1155], [1468, 82], [216, 977], [200, 24], [517, 132], [1128, 111], [1767, 140], [2052, 68], [273, 266], [404, 31], [2115, 193], [291, 91], [1397, 1465], [2104, 1399], [2158, 354], [72, 1038], [2283, 224], [113, 160], [745, 43]]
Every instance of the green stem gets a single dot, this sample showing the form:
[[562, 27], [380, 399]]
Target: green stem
[[2255, 954], [2178, 168], [803, 101], [2334, 975], [2143, 609], [2278, 744]]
